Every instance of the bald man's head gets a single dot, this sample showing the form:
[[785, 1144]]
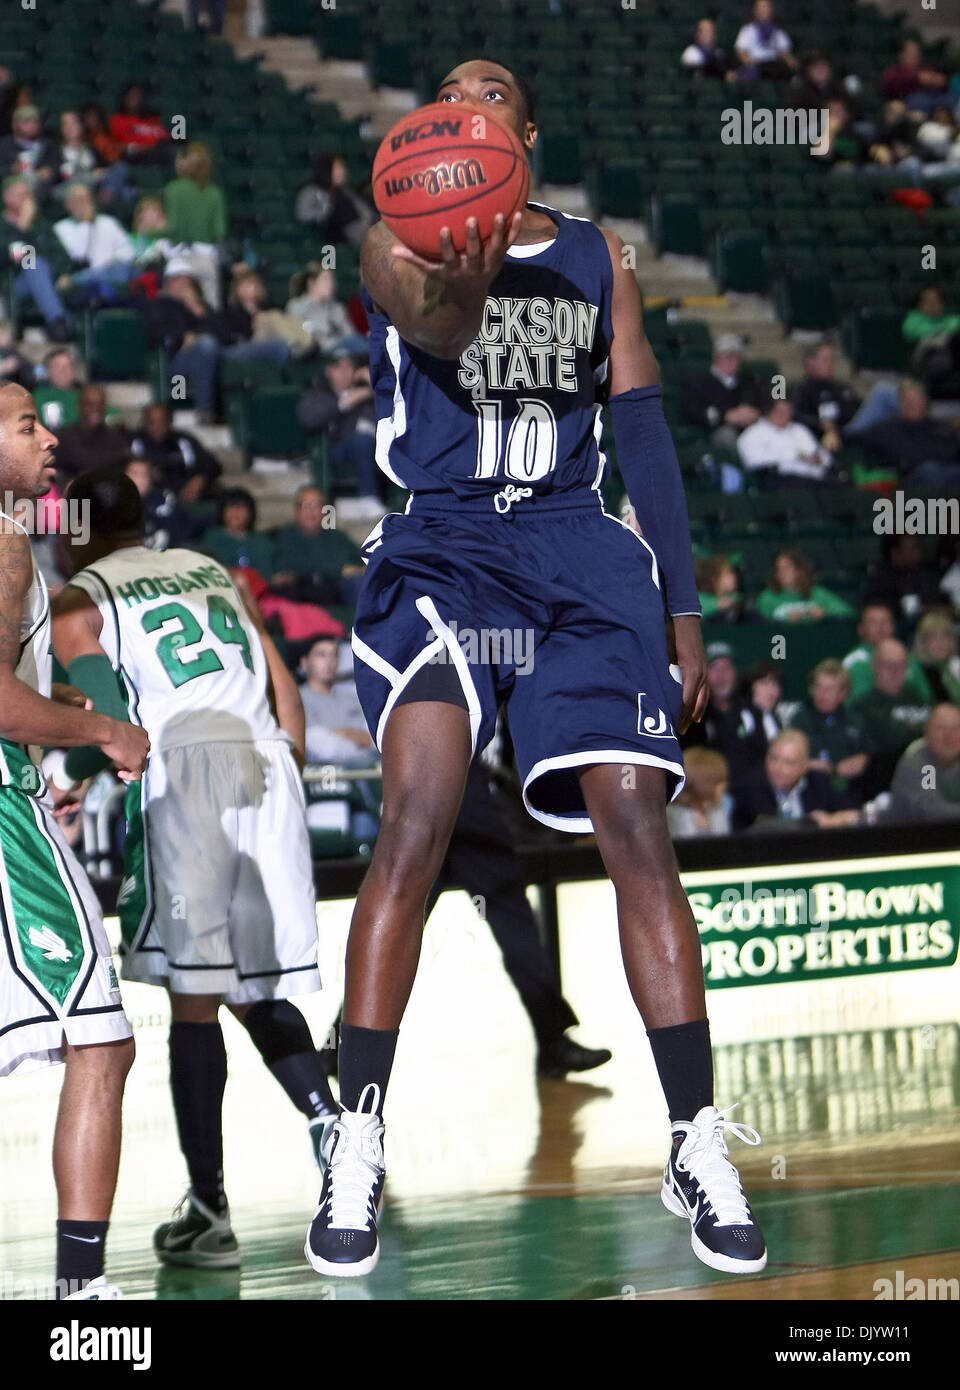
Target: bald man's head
[[890, 666], [942, 735]]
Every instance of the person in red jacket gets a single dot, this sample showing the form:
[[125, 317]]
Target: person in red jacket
[[140, 131]]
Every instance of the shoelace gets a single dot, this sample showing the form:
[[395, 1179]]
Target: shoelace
[[356, 1165], [704, 1153]]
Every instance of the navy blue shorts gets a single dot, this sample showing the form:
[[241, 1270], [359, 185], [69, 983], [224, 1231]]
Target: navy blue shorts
[[552, 609]]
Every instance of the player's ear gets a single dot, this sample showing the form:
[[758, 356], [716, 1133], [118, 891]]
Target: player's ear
[[530, 134]]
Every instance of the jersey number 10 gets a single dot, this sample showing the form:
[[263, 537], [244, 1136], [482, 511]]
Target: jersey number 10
[[531, 451]]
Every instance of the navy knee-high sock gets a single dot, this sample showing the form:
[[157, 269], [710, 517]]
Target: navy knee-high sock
[[198, 1075], [282, 1036]]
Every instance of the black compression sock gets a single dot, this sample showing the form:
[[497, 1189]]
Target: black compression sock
[[198, 1075], [282, 1036], [366, 1057], [80, 1254], [685, 1063]]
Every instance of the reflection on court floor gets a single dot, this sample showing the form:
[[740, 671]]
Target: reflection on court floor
[[499, 1188]]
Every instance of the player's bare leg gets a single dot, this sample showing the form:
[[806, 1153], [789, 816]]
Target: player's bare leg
[[86, 1141], [86, 1160], [661, 956], [426, 754]]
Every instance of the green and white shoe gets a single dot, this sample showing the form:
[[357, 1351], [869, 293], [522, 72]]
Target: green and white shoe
[[197, 1237]]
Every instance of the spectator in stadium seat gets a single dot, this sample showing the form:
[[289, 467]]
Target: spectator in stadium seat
[[937, 138], [77, 161], [90, 443], [719, 726], [313, 561], [924, 451], [336, 728], [791, 596], [14, 367], [724, 400], [913, 81], [845, 146], [57, 394], [903, 578], [824, 405], [95, 128], [935, 647], [815, 85], [148, 234], [22, 228], [236, 325], [144, 137], [344, 412], [313, 303], [763, 48], [101, 253], [786, 788], [935, 336], [838, 742], [877, 625], [27, 152], [165, 522], [718, 588], [331, 205], [181, 464], [180, 321], [778, 442], [891, 715], [926, 781], [705, 57], [236, 542], [701, 808], [761, 690], [196, 217]]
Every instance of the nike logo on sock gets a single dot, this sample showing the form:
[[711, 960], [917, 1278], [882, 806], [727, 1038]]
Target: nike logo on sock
[[87, 1240]]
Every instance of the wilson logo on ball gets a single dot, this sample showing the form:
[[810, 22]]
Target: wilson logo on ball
[[426, 131], [463, 173]]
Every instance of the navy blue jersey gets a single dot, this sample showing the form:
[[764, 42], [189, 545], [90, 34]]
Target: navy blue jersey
[[520, 405]]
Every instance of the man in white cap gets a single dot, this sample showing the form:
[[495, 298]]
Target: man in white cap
[[724, 400]]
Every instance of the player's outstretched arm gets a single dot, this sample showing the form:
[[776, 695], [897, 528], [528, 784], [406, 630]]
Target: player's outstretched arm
[[651, 471], [283, 691], [26, 716], [435, 305], [76, 630]]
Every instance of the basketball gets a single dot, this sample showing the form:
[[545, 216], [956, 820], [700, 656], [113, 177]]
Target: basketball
[[441, 165]]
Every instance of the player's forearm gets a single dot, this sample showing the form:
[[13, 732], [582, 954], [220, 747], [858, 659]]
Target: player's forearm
[[446, 319], [28, 717]]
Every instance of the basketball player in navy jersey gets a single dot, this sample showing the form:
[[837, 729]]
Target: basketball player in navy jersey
[[489, 369]]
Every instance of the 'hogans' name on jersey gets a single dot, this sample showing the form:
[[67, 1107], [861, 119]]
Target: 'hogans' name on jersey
[[526, 343]]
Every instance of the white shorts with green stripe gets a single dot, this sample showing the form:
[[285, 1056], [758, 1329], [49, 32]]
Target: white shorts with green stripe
[[218, 894], [56, 971]]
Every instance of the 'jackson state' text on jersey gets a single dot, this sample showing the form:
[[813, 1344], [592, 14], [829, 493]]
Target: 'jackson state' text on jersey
[[520, 404]]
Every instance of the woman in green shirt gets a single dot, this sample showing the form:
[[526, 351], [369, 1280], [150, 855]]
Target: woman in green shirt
[[934, 335], [197, 216], [236, 542], [792, 597]]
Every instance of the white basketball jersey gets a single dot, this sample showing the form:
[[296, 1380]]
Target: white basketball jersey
[[175, 628], [34, 667]]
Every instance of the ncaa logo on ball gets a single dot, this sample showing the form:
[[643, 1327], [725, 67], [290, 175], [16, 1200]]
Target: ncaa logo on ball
[[462, 173], [426, 131]]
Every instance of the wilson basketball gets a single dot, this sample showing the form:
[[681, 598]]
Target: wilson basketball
[[443, 164]]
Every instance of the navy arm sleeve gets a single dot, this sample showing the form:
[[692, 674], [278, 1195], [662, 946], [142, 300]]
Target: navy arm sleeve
[[651, 471]]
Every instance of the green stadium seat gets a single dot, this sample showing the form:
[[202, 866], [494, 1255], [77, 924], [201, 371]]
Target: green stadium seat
[[805, 300], [675, 226], [874, 341], [739, 262], [117, 348], [272, 427]]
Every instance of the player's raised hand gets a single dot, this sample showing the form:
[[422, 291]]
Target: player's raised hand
[[480, 261], [127, 749]]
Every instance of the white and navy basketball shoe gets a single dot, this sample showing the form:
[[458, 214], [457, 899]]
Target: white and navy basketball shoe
[[96, 1289], [702, 1184], [342, 1238], [197, 1236]]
